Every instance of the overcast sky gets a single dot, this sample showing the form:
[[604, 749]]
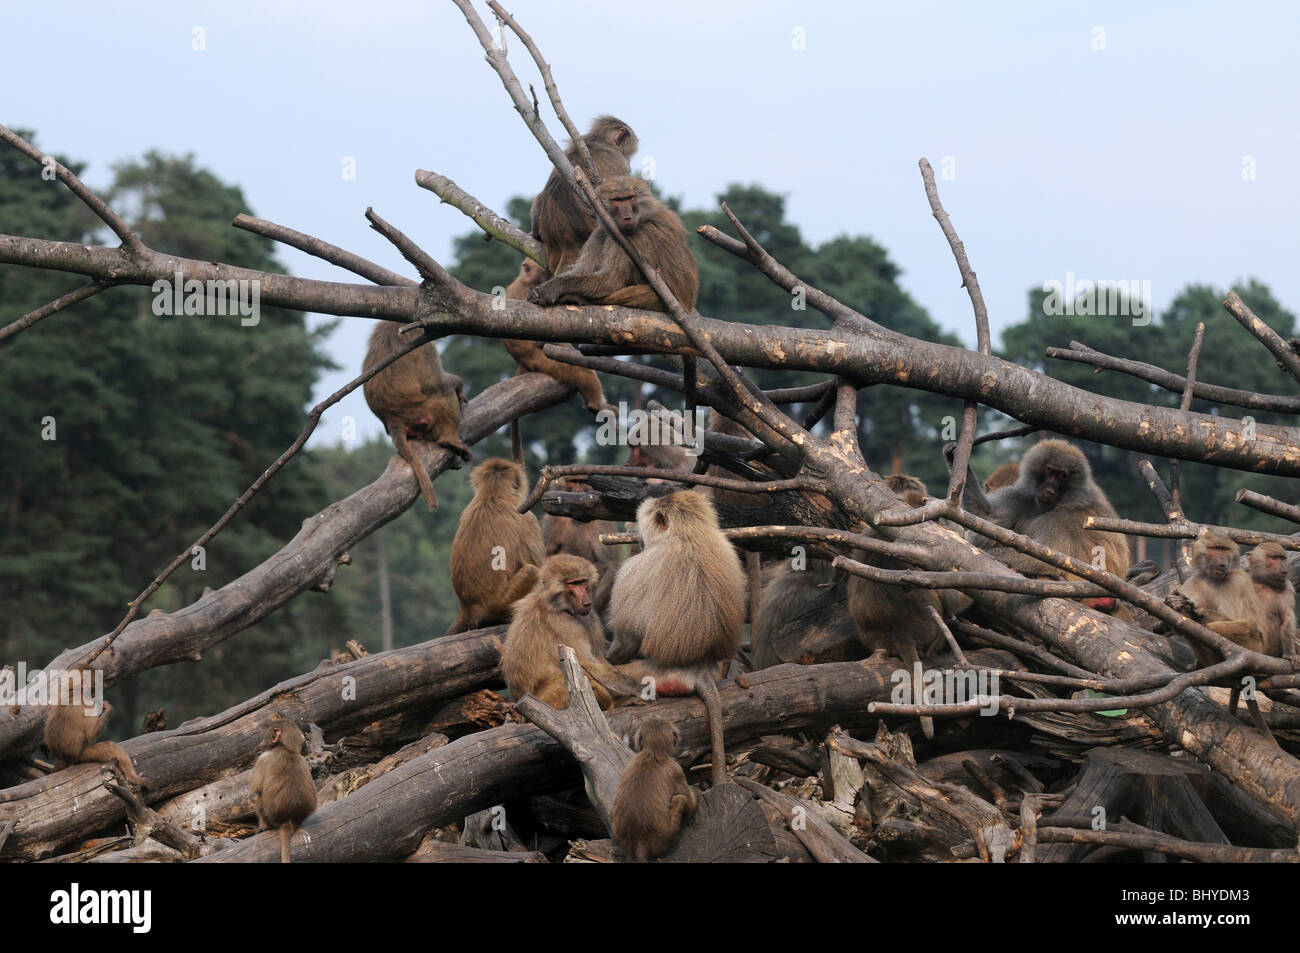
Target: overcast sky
[[1107, 140]]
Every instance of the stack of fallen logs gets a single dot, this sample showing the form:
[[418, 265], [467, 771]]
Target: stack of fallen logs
[[417, 757]]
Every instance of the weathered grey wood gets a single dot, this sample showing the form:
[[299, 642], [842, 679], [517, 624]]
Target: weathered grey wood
[[1153, 790], [583, 731], [823, 841], [438, 852], [951, 812], [386, 819]]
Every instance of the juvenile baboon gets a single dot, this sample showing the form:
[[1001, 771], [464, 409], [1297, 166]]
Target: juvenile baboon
[[558, 612], [560, 534], [71, 726], [653, 797], [1050, 501], [497, 549], [680, 604], [1005, 475], [604, 274], [1269, 574], [1220, 594], [529, 355], [283, 791], [561, 219], [415, 399]]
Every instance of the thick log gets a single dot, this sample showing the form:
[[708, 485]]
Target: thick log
[[73, 803], [308, 559], [950, 812], [386, 819]]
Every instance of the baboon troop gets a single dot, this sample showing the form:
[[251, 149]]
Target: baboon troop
[[677, 609]]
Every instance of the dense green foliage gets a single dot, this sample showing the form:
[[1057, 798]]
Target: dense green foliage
[[157, 423]]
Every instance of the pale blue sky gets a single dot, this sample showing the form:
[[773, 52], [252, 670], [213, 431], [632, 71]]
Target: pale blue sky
[[1122, 163]]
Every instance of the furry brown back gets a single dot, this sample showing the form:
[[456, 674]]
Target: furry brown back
[[653, 796], [491, 520], [560, 220]]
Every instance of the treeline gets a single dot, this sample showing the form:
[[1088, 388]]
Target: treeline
[[125, 434]]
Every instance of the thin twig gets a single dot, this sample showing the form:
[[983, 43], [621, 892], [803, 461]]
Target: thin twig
[[429, 269], [924, 579], [1193, 355], [492, 224], [1267, 504], [1187, 530], [323, 250], [970, 409], [937, 617], [1286, 358], [1182, 559], [1007, 434], [1082, 354], [131, 242], [551, 473], [528, 111], [55, 306], [1015, 703], [584, 154]]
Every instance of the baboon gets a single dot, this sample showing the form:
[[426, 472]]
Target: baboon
[[1053, 496], [283, 791], [807, 605], [497, 549], [560, 534], [415, 399], [680, 604], [529, 355], [1005, 475], [561, 219], [653, 797], [1220, 594], [558, 612], [604, 274], [1269, 574], [71, 726]]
